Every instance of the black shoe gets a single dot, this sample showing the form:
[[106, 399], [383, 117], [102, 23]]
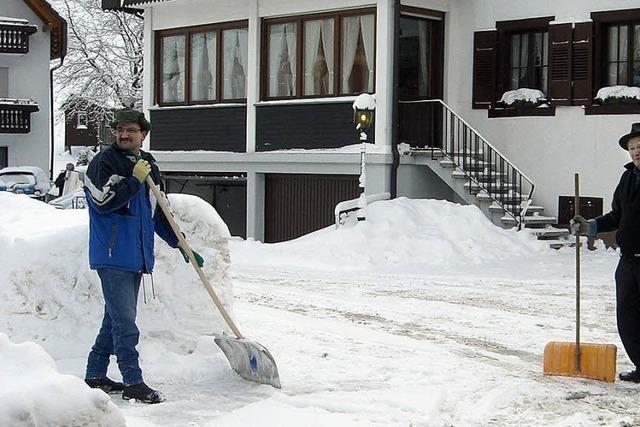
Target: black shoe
[[630, 376], [142, 393], [105, 384]]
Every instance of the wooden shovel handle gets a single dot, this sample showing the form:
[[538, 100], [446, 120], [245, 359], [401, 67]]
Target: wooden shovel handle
[[185, 247], [576, 204]]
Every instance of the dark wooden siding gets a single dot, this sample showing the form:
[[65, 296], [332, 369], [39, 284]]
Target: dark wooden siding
[[299, 204], [215, 129], [305, 126]]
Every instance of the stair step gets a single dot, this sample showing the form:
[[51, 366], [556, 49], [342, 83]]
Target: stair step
[[481, 177], [530, 211], [476, 167], [549, 233], [503, 189], [514, 199], [530, 220]]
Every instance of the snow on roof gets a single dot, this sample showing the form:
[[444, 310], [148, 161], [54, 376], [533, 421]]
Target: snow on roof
[[5, 20], [17, 101]]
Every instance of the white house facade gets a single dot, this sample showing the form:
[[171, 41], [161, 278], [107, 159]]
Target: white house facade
[[250, 103], [31, 35]]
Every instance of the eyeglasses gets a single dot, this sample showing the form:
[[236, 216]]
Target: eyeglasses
[[127, 130]]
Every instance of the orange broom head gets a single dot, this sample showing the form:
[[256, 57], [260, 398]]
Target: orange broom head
[[597, 361]]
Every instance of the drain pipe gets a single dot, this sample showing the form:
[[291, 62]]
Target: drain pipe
[[393, 180], [51, 118]]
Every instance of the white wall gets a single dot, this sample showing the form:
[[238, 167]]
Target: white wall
[[547, 149], [29, 78]]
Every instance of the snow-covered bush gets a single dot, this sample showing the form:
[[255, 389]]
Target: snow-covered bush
[[618, 95], [522, 97]]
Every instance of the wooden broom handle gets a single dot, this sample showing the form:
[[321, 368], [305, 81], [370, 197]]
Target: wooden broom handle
[[576, 204], [185, 247]]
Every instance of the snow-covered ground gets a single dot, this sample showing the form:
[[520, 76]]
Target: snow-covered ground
[[423, 315]]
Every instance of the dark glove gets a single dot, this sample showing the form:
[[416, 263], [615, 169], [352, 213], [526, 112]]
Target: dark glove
[[196, 255], [579, 225]]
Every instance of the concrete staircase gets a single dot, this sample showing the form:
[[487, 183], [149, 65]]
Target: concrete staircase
[[472, 191]]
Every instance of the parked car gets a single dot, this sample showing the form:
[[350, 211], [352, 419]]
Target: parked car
[[29, 180]]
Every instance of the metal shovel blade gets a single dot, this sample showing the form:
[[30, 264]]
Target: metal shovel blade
[[250, 360]]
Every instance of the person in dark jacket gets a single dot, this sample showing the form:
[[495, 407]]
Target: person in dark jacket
[[625, 218], [123, 217], [62, 178]]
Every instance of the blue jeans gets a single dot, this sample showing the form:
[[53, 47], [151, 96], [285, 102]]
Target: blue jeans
[[118, 334]]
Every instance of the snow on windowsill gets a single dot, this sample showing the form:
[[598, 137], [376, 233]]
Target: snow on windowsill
[[5, 20]]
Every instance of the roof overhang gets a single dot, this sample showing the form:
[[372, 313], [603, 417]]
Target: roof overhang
[[127, 5], [54, 23]]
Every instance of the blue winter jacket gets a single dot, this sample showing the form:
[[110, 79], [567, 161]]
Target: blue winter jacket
[[123, 213]]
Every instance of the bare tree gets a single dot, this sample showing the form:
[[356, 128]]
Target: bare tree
[[103, 67]]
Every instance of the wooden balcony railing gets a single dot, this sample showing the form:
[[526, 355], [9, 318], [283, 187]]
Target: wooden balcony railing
[[15, 115], [14, 38]]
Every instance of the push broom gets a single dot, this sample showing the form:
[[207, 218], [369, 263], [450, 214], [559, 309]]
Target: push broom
[[576, 359]]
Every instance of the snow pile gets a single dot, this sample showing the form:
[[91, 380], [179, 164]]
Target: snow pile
[[34, 393], [398, 235], [48, 293], [522, 96], [365, 101], [618, 94]]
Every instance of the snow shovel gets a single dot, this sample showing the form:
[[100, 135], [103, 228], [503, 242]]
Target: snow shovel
[[576, 359], [249, 359]]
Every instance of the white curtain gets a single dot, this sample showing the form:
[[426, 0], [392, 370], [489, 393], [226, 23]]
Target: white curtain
[[327, 40], [282, 54], [367, 24], [235, 63], [350, 31], [312, 30], [203, 66], [423, 48], [275, 34], [291, 41], [173, 69]]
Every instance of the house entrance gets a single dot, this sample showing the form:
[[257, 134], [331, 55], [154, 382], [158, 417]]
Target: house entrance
[[421, 69]]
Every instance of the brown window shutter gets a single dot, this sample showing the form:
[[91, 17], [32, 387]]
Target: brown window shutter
[[560, 64], [484, 68], [582, 64]]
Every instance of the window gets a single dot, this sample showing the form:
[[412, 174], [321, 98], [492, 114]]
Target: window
[[529, 60], [515, 56], [202, 65], [622, 58], [319, 55], [82, 120], [4, 157], [4, 82], [616, 55]]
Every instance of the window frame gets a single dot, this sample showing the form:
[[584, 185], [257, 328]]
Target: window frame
[[186, 32], [299, 21], [506, 29]]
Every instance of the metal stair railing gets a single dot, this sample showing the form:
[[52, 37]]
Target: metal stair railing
[[482, 164]]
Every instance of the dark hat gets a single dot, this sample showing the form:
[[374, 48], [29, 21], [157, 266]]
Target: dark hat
[[132, 116], [635, 131]]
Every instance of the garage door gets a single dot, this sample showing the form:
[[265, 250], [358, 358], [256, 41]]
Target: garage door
[[299, 204]]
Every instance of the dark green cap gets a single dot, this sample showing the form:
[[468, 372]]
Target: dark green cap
[[131, 116]]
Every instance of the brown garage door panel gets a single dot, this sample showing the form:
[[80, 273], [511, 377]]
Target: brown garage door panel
[[299, 204]]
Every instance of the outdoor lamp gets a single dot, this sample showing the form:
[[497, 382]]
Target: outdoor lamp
[[364, 118]]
